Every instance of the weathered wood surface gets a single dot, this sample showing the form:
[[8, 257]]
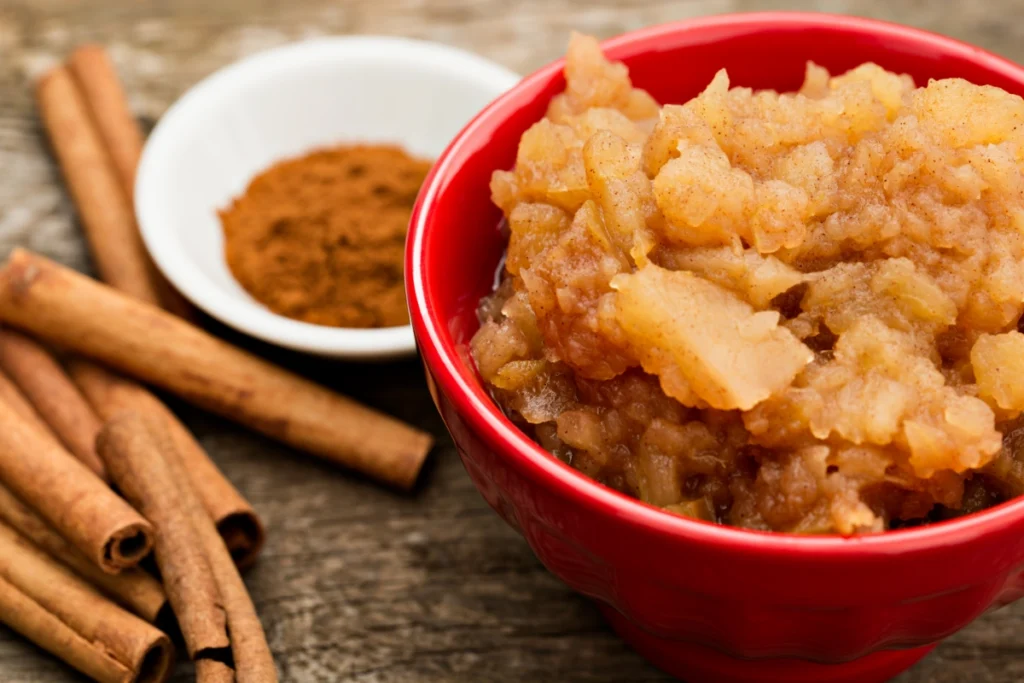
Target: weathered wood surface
[[358, 584]]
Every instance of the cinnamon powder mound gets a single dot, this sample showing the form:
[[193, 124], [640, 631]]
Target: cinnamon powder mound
[[321, 238]]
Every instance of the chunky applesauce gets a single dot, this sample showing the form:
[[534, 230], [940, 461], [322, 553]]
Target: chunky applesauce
[[781, 311]]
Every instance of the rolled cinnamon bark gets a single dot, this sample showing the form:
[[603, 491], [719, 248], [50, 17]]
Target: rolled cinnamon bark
[[135, 462], [51, 606], [65, 307], [104, 209], [11, 397], [104, 97], [54, 396], [250, 651], [253, 662], [68, 495], [236, 520], [212, 671], [133, 589], [95, 106]]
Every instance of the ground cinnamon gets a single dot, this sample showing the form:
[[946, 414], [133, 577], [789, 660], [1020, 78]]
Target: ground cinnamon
[[321, 238]]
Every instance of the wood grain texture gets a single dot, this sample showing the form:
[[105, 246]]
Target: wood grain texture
[[358, 584]]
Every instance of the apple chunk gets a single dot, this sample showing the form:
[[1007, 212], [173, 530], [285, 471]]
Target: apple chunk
[[703, 341]]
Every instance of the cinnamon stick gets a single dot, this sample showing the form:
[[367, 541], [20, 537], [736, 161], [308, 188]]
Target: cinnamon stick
[[251, 654], [133, 589], [103, 208], [54, 396], [212, 671], [150, 442], [104, 97], [51, 606], [68, 495], [133, 458], [11, 397], [236, 520], [62, 306]]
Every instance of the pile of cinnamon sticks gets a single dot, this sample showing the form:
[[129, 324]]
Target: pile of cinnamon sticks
[[96, 472]]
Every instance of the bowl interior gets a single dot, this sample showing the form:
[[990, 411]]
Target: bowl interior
[[280, 104], [674, 63]]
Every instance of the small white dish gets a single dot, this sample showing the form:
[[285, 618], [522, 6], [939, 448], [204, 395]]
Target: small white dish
[[283, 103]]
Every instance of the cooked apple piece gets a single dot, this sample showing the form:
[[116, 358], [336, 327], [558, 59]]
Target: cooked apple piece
[[998, 361], [916, 294], [680, 325], [622, 191], [879, 390], [756, 278], [593, 81], [895, 291], [705, 200]]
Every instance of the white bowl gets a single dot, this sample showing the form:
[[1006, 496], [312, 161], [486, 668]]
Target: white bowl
[[279, 104]]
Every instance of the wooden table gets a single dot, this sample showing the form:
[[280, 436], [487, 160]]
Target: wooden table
[[358, 584]]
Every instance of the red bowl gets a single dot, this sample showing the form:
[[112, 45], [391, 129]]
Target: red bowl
[[704, 602]]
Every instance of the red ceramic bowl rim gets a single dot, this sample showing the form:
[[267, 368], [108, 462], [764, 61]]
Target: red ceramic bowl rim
[[484, 417]]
